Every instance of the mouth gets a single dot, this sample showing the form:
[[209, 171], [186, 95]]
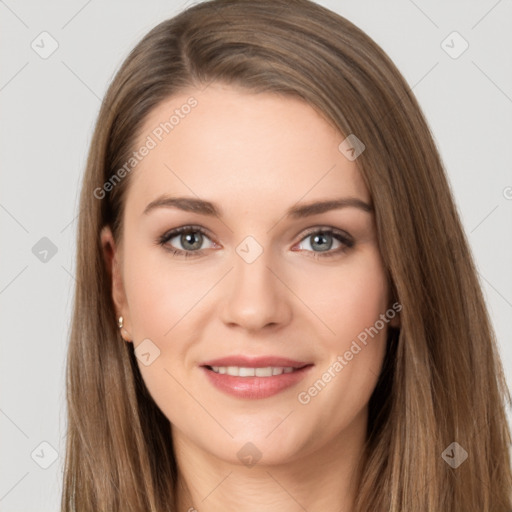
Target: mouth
[[247, 378], [245, 371]]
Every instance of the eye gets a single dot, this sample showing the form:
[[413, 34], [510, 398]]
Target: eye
[[321, 242], [190, 238]]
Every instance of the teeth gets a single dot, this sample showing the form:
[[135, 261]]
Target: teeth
[[239, 371]]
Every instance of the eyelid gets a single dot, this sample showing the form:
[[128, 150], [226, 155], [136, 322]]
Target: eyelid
[[327, 229], [185, 229]]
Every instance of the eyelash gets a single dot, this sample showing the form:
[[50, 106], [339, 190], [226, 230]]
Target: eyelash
[[338, 235]]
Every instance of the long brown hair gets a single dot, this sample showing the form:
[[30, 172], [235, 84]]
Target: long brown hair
[[442, 380]]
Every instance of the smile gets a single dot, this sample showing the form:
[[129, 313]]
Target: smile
[[254, 383], [241, 371]]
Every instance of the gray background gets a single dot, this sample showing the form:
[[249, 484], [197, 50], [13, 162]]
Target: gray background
[[48, 111]]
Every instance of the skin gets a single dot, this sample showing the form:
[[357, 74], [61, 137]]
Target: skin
[[254, 156]]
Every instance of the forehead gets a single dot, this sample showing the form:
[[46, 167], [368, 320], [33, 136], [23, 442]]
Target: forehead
[[226, 144]]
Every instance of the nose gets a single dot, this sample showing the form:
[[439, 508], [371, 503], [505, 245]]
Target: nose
[[255, 298]]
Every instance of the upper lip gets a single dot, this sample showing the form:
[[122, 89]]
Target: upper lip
[[255, 362]]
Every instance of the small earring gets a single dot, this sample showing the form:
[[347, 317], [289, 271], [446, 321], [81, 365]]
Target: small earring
[[120, 322]]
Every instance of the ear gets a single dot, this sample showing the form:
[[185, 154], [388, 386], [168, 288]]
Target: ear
[[112, 257]]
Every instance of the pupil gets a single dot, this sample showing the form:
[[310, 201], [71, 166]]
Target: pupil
[[321, 238], [193, 240]]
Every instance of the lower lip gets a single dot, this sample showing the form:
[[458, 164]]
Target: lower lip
[[255, 387]]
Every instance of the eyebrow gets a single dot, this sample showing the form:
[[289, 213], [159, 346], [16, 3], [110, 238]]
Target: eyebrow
[[200, 206]]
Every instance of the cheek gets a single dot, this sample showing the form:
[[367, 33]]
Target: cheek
[[349, 299], [160, 293], [351, 305], [161, 299]]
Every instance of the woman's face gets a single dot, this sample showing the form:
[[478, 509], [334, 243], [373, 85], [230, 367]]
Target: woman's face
[[254, 282]]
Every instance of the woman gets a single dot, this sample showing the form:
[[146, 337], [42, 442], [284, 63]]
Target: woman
[[277, 307]]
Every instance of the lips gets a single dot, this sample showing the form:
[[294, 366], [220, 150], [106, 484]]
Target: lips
[[239, 375]]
